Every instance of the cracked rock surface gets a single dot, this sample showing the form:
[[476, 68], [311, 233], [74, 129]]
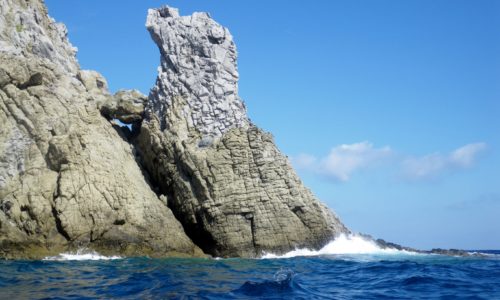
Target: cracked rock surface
[[198, 64], [67, 177], [192, 175], [225, 180]]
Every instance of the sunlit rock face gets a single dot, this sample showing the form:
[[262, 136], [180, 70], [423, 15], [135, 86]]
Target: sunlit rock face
[[67, 178], [192, 173], [234, 192], [198, 79]]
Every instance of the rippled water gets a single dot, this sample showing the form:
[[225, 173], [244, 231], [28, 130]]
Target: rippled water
[[366, 276]]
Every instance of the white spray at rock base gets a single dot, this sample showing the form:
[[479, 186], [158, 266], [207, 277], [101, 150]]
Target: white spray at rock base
[[342, 245]]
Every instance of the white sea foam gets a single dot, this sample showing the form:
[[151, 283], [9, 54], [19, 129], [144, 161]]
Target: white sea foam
[[82, 254], [343, 244]]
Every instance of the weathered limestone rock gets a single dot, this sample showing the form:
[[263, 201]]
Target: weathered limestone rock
[[198, 66], [67, 178], [95, 84], [228, 184], [126, 106], [26, 29], [70, 178]]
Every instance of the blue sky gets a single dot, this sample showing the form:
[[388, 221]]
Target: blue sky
[[389, 110]]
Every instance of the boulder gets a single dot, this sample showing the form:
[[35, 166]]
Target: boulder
[[126, 106]]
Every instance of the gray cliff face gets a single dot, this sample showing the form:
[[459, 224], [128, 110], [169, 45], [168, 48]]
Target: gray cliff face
[[224, 178], [68, 179]]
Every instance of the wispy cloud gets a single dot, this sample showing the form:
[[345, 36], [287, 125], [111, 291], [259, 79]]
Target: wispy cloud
[[343, 160], [432, 165]]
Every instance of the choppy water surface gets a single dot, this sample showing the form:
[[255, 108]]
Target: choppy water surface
[[338, 271]]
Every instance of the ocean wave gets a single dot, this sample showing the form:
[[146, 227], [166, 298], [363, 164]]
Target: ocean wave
[[81, 254], [343, 244]]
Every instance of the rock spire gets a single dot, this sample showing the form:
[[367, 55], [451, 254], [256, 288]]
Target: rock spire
[[225, 180]]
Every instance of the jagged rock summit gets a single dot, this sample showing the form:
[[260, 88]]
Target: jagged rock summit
[[198, 71], [192, 174], [225, 180]]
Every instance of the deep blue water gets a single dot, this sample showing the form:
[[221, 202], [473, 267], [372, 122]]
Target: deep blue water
[[321, 277]]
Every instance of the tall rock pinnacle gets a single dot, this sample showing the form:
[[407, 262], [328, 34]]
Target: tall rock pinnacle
[[224, 178], [198, 78]]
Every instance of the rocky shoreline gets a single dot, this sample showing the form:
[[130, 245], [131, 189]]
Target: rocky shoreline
[[189, 176]]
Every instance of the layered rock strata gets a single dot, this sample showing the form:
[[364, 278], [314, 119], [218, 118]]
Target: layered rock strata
[[67, 177], [224, 178]]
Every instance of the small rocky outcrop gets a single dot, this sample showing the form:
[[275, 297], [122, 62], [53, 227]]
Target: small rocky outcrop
[[126, 106], [67, 178], [225, 180]]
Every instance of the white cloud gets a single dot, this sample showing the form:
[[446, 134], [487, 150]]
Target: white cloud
[[465, 156], [429, 166], [343, 160]]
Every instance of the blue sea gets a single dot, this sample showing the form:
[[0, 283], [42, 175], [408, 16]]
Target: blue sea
[[376, 275]]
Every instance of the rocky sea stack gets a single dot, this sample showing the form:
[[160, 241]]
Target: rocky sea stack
[[190, 176]]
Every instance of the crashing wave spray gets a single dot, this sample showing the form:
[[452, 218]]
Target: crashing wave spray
[[343, 244], [81, 254]]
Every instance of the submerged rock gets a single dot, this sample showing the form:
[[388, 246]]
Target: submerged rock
[[67, 178], [228, 184]]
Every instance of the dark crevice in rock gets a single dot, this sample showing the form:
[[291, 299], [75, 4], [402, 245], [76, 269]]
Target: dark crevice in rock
[[59, 226], [92, 236], [100, 84], [199, 235], [197, 232], [54, 159], [213, 40], [35, 79], [171, 65], [55, 214], [249, 216], [119, 222]]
